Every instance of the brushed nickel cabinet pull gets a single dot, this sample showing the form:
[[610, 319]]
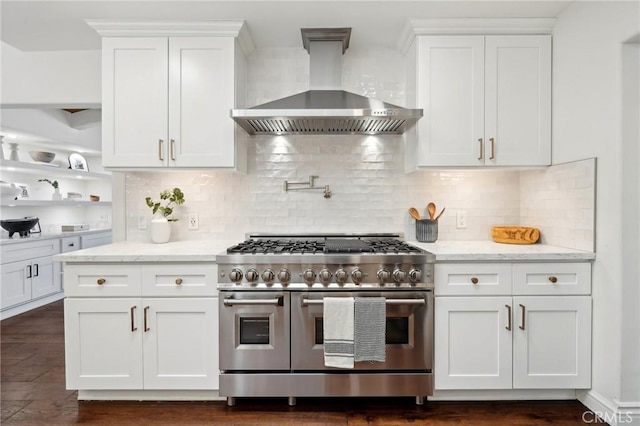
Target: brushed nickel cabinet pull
[[481, 155], [101, 281], [474, 280], [553, 279], [146, 311], [178, 281], [493, 148], [508, 327], [172, 148], [160, 149], [521, 327], [133, 321]]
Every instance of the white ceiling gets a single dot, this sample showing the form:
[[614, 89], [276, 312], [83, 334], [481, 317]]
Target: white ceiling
[[59, 25]]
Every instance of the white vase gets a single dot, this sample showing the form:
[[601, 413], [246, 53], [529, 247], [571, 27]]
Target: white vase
[[57, 195], [160, 229]]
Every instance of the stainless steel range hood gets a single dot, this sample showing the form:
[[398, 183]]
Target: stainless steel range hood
[[325, 109]]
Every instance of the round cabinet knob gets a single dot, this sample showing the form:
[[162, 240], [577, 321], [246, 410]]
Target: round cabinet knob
[[399, 275], [309, 276], [341, 276], [325, 276], [474, 280], [268, 275], [178, 281], [357, 276], [235, 275], [284, 276], [383, 276], [252, 275], [101, 281], [415, 275], [553, 279]]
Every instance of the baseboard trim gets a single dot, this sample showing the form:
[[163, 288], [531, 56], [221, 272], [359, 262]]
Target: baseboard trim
[[503, 395], [614, 412], [149, 395]]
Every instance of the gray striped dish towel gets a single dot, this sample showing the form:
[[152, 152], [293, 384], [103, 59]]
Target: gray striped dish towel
[[338, 331], [370, 328]]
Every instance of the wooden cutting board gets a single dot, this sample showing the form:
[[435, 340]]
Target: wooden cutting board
[[515, 234]]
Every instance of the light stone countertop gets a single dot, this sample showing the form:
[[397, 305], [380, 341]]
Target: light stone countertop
[[5, 240], [206, 251], [176, 251], [491, 251]]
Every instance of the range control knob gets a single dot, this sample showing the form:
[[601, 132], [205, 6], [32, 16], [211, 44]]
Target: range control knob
[[235, 275], [415, 275], [341, 276], [357, 275], [325, 276], [383, 276], [399, 275], [252, 275], [284, 276], [309, 276], [268, 275]]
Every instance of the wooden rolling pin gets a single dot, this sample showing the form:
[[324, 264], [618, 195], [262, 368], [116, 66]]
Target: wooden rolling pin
[[515, 234]]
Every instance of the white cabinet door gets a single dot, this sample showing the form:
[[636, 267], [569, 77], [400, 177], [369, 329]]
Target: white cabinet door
[[97, 239], [518, 100], [451, 92], [181, 343], [201, 94], [473, 343], [134, 102], [16, 283], [45, 277], [552, 342], [103, 343]]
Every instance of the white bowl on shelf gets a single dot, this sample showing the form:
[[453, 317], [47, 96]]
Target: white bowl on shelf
[[42, 156]]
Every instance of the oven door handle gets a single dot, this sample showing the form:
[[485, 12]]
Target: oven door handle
[[417, 302], [276, 301]]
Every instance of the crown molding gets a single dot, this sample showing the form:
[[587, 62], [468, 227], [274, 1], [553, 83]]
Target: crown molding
[[473, 26], [211, 28]]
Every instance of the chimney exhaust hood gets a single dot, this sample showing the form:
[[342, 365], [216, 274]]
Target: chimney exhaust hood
[[325, 109]]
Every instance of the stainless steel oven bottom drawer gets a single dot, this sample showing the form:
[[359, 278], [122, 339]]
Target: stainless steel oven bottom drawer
[[326, 384]]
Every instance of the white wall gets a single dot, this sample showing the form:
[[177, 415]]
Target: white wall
[[587, 46], [56, 79]]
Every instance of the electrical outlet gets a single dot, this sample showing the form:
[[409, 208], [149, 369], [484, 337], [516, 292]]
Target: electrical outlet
[[142, 220], [193, 221], [461, 219]]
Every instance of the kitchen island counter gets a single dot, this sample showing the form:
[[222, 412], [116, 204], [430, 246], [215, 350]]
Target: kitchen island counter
[[491, 251], [177, 251]]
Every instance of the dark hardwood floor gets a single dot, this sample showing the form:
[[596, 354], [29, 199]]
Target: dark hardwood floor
[[33, 393]]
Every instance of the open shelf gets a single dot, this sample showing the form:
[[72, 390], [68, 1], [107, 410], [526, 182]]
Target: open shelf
[[47, 203], [49, 170]]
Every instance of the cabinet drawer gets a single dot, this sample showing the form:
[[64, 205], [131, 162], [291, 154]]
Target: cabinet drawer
[[70, 244], [472, 278], [183, 279], [101, 280], [29, 250], [551, 278], [95, 240]]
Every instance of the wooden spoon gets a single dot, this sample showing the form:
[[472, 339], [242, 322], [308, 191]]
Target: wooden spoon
[[440, 214], [414, 213], [431, 208]]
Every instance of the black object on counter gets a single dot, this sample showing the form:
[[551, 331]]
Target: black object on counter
[[21, 226]]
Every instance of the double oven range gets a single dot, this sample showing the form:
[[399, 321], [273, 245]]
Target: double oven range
[[271, 315]]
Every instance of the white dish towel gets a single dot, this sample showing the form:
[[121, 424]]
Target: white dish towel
[[338, 323]]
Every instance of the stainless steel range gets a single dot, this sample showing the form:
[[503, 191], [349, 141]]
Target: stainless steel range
[[271, 315]]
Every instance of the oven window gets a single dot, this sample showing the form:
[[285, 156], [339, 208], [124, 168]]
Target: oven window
[[254, 331], [397, 332]]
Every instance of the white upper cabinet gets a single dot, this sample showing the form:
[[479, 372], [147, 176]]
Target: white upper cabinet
[[486, 100], [166, 98]]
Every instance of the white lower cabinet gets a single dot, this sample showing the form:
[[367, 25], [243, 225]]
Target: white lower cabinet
[[29, 279], [512, 341], [140, 343]]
